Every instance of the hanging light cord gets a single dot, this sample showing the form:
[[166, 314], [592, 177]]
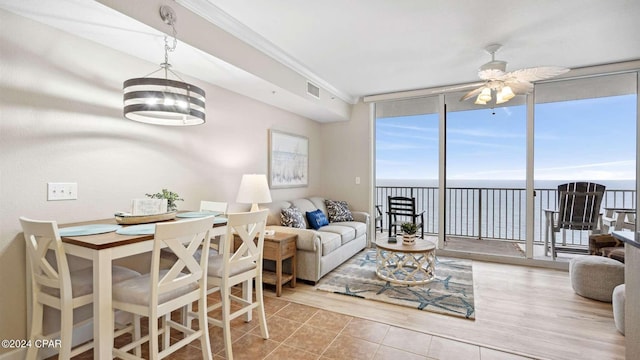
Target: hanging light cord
[[170, 19], [166, 65]]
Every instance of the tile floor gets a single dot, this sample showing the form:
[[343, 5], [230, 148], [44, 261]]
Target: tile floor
[[303, 332]]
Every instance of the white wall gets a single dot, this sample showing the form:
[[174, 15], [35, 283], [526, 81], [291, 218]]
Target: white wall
[[61, 121], [346, 155]]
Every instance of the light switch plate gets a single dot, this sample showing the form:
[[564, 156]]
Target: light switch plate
[[62, 191]]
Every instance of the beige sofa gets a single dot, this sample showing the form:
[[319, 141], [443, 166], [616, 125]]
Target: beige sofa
[[322, 250]]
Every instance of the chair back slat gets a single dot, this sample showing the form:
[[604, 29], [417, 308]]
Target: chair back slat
[[213, 206], [401, 206], [579, 205], [182, 238]]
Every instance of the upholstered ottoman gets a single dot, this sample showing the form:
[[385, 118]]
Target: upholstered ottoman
[[618, 307], [595, 277]]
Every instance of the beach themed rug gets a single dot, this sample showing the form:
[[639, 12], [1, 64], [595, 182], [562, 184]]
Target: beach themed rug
[[450, 293]]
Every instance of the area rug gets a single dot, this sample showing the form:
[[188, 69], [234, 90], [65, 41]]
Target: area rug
[[450, 293]]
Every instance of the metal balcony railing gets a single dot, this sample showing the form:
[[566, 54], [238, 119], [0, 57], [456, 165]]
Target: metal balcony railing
[[492, 213]]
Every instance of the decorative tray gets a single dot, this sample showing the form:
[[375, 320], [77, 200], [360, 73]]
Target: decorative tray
[[144, 219]]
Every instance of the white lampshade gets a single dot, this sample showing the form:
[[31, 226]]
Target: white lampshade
[[485, 95], [505, 94], [479, 102], [254, 190]]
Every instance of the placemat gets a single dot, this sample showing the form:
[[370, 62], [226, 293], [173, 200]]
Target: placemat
[[144, 229], [91, 229], [198, 214]]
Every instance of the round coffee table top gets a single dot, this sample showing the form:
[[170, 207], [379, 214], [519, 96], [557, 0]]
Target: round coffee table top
[[421, 245]]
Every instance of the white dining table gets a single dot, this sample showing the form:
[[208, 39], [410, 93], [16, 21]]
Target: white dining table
[[102, 249]]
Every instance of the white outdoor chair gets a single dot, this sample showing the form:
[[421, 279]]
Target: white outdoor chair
[[243, 265], [162, 291], [53, 285]]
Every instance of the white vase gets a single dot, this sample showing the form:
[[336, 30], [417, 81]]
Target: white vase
[[408, 239]]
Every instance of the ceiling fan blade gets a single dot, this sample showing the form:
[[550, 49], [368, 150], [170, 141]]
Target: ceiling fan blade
[[520, 87], [472, 93], [490, 74], [535, 73]]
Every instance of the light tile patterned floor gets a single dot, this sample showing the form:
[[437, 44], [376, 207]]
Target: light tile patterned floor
[[304, 332]]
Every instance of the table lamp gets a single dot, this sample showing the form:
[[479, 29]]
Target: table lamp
[[254, 190]]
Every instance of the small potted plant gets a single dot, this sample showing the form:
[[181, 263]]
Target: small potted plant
[[170, 196], [409, 230]]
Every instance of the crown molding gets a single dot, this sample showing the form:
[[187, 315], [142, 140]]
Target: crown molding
[[226, 22]]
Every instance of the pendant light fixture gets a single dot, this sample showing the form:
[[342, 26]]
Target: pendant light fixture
[[163, 101]]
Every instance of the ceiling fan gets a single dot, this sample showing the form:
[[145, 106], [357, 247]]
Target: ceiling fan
[[506, 85]]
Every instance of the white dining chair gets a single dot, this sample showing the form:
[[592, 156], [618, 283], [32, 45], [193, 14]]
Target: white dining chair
[[54, 286], [239, 266], [213, 206], [157, 294]]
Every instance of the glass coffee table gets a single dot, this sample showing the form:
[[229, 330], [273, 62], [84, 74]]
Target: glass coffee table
[[406, 264]]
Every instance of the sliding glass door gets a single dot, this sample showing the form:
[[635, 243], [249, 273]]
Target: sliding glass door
[[407, 157], [585, 131], [485, 176]]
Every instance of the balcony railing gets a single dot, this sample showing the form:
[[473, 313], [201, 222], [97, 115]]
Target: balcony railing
[[492, 213]]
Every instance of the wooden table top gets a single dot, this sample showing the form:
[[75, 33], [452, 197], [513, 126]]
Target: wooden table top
[[421, 245], [107, 240]]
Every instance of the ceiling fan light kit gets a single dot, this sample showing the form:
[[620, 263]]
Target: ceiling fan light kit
[[506, 85]]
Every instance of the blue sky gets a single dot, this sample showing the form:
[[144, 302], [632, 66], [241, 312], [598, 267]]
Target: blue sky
[[592, 139]]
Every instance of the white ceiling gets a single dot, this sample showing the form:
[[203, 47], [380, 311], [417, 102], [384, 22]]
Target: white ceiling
[[365, 47], [355, 48]]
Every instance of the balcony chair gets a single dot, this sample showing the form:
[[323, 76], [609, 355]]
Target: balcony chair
[[379, 218], [53, 285], [401, 210], [578, 209], [157, 294], [240, 266]]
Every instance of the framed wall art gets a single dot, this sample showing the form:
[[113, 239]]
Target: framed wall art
[[288, 160]]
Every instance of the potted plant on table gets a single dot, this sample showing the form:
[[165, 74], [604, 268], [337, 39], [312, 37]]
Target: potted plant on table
[[170, 196], [409, 230]]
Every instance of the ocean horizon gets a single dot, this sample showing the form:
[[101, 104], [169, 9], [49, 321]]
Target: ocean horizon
[[629, 184]]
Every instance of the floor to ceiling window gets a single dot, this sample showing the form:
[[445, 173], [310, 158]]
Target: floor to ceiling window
[[585, 131], [467, 166], [485, 176], [407, 156]]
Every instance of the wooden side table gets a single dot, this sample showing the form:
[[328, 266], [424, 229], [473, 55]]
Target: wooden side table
[[278, 247]]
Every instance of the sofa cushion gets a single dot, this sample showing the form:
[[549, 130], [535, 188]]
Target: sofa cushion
[[319, 203], [330, 242], [275, 209], [359, 227], [304, 205], [346, 233], [317, 219], [338, 211], [292, 217]]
